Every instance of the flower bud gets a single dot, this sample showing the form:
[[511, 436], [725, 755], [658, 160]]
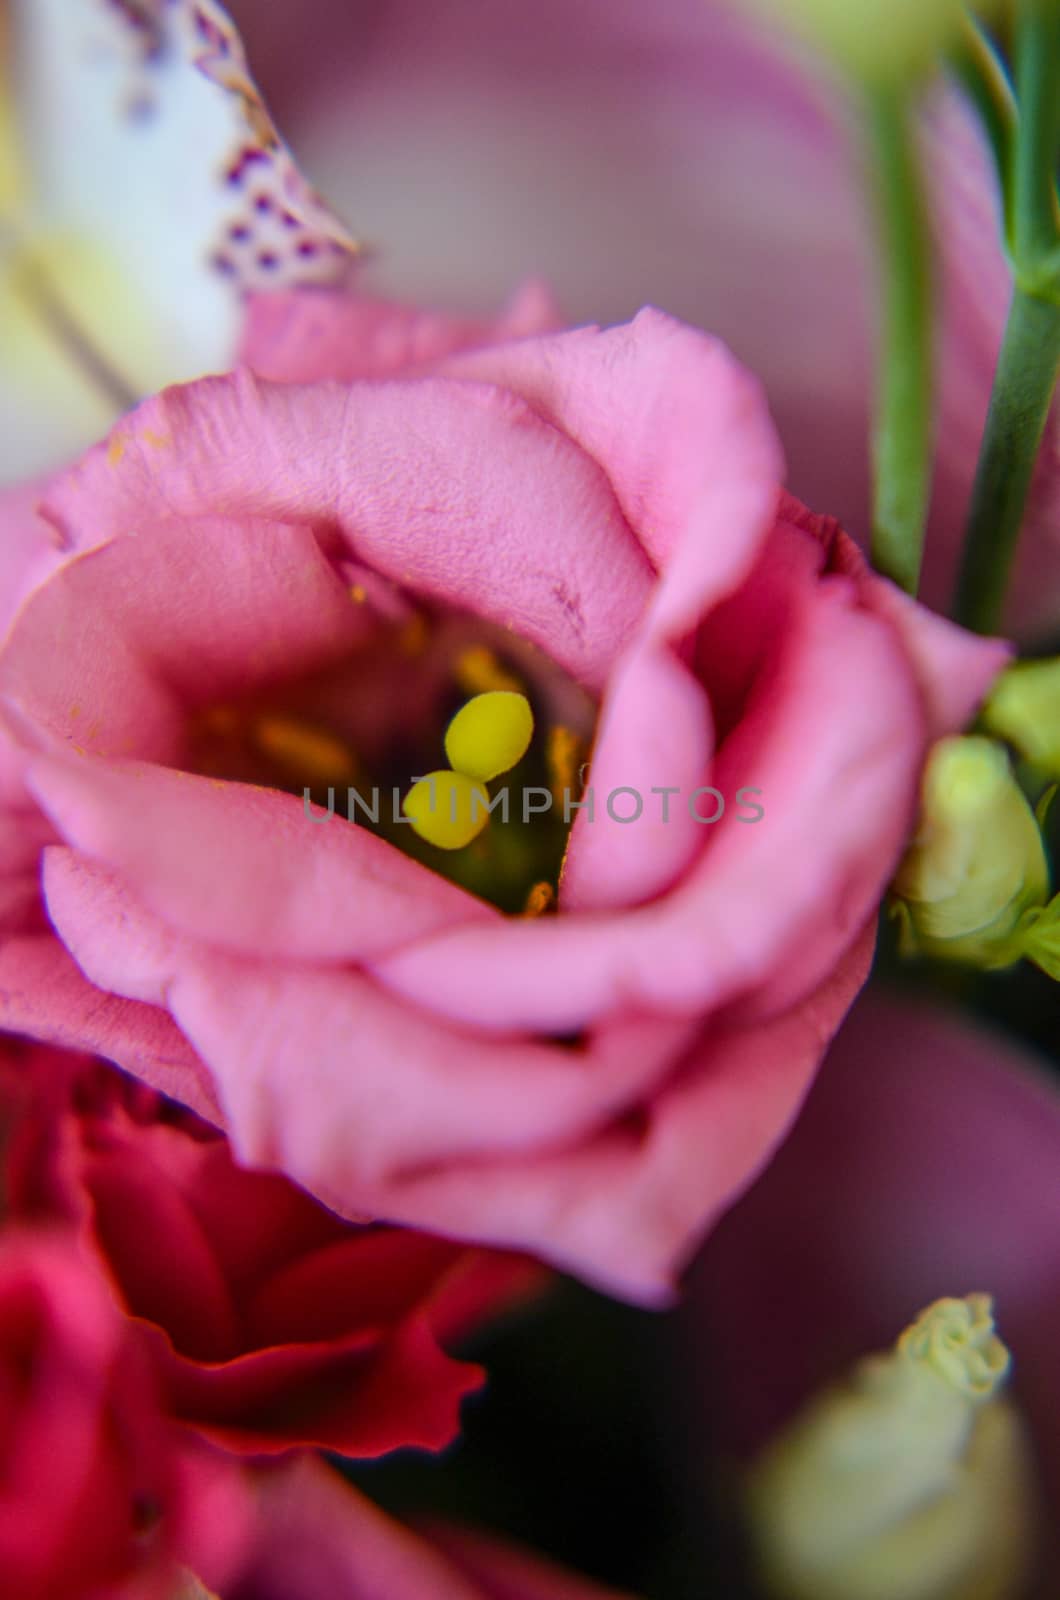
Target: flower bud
[[977, 862], [909, 1481], [875, 40], [1024, 708]]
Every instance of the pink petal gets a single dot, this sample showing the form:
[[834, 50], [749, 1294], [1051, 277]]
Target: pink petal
[[954, 668], [655, 728], [326, 1074], [680, 429], [302, 338], [43, 994], [246, 864], [322, 1075], [29, 548], [175, 619], [538, 545]]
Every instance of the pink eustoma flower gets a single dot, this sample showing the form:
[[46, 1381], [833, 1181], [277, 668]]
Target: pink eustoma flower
[[678, 153], [604, 509], [926, 1163]]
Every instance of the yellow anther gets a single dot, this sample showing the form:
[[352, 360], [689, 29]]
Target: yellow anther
[[358, 594], [477, 670], [309, 754], [540, 899], [448, 809], [564, 751], [490, 734]]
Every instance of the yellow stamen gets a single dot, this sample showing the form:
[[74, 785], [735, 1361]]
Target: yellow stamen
[[477, 670], [310, 754], [563, 756], [540, 899], [448, 809], [490, 734]]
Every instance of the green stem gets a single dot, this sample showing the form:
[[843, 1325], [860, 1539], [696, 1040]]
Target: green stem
[[1035, 230], [1030, 351], [979, 67], [902, 427], [1019, 405]]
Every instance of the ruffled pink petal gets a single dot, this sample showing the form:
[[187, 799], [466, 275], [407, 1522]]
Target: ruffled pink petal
[[328, 1075], [43, 994], [683, 434], [245, 865], [308, 336], [954, 668], [155, 625], [508, 1142], [625, 1210], [655, 730], [29, 547], [456, 489]]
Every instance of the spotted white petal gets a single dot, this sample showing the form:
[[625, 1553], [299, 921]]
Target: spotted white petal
[[144, 191]]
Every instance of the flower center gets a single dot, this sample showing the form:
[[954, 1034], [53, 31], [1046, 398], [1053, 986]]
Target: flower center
[[456, 741]]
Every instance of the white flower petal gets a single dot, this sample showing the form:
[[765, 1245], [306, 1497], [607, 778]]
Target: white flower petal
[[159, 193]]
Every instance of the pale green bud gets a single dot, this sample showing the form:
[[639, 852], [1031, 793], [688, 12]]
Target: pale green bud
[[977, 863], [910, 1481], [1024, 708], [877, 41]]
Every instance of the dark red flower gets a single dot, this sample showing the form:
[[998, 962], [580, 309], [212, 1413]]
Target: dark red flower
[[86, 1461], [272, 1322]]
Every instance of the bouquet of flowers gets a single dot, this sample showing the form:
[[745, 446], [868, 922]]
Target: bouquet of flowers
[[527, 928]]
